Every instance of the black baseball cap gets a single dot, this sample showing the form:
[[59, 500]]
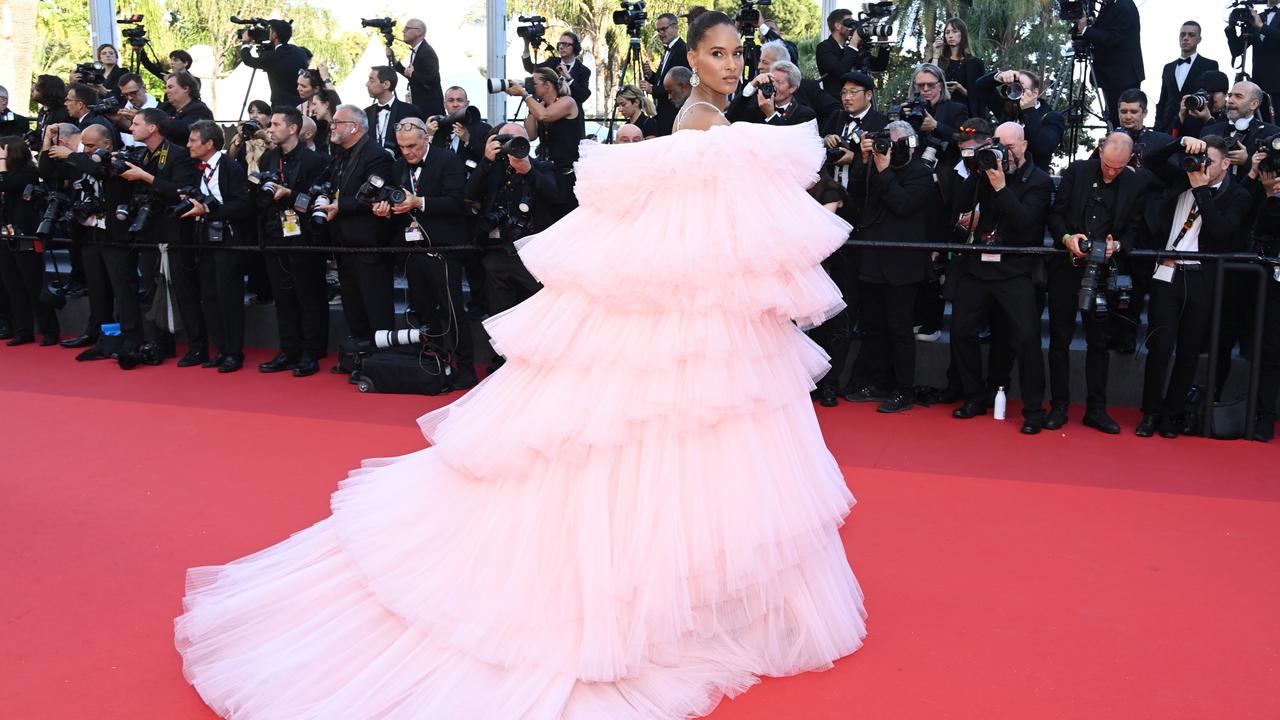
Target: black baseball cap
[[860, 79]]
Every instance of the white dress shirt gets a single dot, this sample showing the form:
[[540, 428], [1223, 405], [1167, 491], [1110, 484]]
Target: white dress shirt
[[209, 184], [1191, 241], [1182, 70]]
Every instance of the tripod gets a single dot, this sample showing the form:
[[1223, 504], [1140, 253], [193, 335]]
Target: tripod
[[632, 63], [1084, 98]]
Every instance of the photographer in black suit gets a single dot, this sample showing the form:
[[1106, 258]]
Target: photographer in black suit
[[1201, 210], [22, 265], [387, 111], [943, 116], [842, 52], [1116, 37], [1100, 200], [166, 169], [1243, 127], [1013, 199], [367, 281], [297, 278], [1191, 123], [223, 184], [1263, 35], [518, 197], [182, 99], [566, 65], [79, 102], [11, 123], [675, 53], [777, 105], [1043, 125], [888, 280], [1181, 76], [465, 139], [423, 69], [745, 105], [282, 61], [433, 216]]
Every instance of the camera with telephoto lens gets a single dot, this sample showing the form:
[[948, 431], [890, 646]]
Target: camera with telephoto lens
[[189, 197], [57, 211], [497, 85], [533, 30], [259, 30], [248, 129], [513, 145], [87, 204], [469, 115], [107, 106], [1197, 101], [91, 73], [383, 339], [991, 157], [632, 15], [141, 212], [311, 201], [911, 111], [375, 190], [514, 222], [933, 147], [1101, 287], [874, 24], [385, 25], [268, 181], [1270, 146]]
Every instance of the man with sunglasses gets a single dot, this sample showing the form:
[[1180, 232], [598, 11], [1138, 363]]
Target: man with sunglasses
[[422, 69], [137, 99]]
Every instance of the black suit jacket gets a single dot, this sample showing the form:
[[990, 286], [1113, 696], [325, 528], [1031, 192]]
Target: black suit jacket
[[873, 121], [473, 150], [399, 110], [1044, 126], [424, 86], [539, 185], [950, 115], [579, 89], [834, 61], [1258, 130], [281, 64], [966, 72], [1171, 94], [299, 171], [179, 129], [677, 56], [15, 125], [1018, 214], [1266, 51], [1224, 210], [1068, 214], [893, 212], [824, 105], [94, 118], [441, 183], [174, 170], [355, 224], [1116, 35], [237, 206]]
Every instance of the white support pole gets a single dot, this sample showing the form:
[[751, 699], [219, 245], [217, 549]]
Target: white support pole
[[496, 53], [102, 23]]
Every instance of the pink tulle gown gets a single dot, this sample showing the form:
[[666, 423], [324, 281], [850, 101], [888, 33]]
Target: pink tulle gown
[[636, 516]]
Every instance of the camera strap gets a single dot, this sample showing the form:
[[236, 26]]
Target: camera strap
[[1186, 226]]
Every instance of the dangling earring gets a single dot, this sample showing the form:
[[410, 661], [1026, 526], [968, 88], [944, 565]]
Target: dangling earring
[[695, 81]]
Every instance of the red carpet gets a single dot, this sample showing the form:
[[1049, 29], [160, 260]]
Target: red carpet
[[1070, 575]]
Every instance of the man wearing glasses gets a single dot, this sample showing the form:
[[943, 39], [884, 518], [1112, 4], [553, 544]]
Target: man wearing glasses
[[944, 116], [137, 99], [568, 66], [422, 70], [674, 54]]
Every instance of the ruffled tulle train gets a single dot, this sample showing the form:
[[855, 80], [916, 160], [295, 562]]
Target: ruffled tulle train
[[635, 517]]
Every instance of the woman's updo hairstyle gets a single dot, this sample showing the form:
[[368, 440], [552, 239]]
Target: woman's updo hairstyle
[[703, 24]]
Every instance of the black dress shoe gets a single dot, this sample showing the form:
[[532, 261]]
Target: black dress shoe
[[897, 402], [867, 394], [279, 363], [1032, 426], [193, 358], [1101, 421], [93, 353], [6, 330], [48, 340], [214, 361], [230, 363], [78, 342], [306, 366], [970, 409], [1168, 428], [1147, 427], [17, 340], [827, 397], [1056, 418]]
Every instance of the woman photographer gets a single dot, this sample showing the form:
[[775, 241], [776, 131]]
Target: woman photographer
[[636, 108], [109, 58], [321, 109], [555, 120], [250, 140], [22, 266], [951, 53], [310, 84], [182, 92]]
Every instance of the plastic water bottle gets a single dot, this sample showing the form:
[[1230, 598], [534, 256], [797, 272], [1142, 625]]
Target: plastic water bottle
[[1001, 403]]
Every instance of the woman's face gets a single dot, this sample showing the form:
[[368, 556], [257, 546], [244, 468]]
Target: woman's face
[[263, 119], [177, 64], [627, 106], [544, 90], [107, 56], [952, 36], [306, 90], [718, 59], [319, 110], [175, 93]]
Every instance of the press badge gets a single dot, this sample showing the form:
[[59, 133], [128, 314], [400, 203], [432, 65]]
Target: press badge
[[1163, 273], [289, 223], [990, 257], [413, 233]]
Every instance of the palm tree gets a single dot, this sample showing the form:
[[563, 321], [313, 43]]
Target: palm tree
[[17, 50]]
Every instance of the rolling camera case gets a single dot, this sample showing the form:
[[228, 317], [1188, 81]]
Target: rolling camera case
[[412, 370]]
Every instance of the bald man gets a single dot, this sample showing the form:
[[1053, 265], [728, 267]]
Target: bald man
[[1014, 201], [1244, 126], [421, 69], [628, 134], [1100, 200]]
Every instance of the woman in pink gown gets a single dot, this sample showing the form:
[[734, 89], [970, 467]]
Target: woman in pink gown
[[636, 516]]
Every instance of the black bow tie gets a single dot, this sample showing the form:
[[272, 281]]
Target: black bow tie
[[382, 108], [1184, 60], [852, 119]]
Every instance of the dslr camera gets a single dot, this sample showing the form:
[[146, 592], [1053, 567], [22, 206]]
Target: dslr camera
[[1101, 286], [375, 190], [121, 159], [1197, 101], [1271, 146], [882, 142], [993, 156], [911, 111], [385, 25], [109, 105], [469, 115], [91, 73], [190, 196], [268, 181], [306, 202], [513, 145]]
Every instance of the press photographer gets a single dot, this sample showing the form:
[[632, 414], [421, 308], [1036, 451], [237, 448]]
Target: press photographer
[[939, 117], [264, 45], [808, 92], [84, 108], [842, 134], [888, 280], [297, 278], [179, 60], [182, 95], [219, 204], [1206, 106], [518, 197], [386, 112], [556, 121], [1115, 37], [1247, 28], [1014, 96], [22, 263], [422, 70], [136, 98], [11, 123], [567, 65], [367, 278], [1182, 76], [846, 50], [59, 141], [50, 93], [1202, 209], [1096, 213], [1244, 128], [102, 75], [460, 128], [1010, 197], [165, 169], [433, 214], [675, 53], [771, 100], [1265, 188]]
